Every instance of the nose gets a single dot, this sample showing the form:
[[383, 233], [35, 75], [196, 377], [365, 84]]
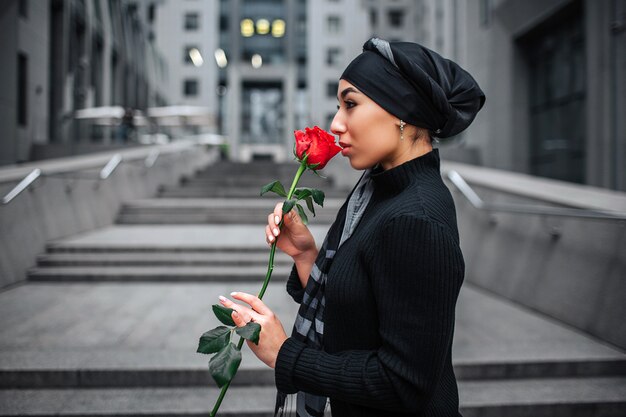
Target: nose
[[338, 126]]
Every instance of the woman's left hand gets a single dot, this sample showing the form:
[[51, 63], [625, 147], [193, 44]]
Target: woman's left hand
[[272, 334]]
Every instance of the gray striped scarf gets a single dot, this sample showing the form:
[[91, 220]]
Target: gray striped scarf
[[309, 325]]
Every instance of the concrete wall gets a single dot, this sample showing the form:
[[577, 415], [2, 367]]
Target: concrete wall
[[567, 268], [55, 207]]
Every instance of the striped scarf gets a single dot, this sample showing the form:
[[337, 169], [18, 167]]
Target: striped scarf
[[309, 324]]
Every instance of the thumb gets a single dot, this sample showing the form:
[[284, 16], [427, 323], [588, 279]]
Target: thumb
[[292, 219]]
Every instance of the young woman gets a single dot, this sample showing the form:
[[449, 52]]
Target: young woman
[[377, 301]]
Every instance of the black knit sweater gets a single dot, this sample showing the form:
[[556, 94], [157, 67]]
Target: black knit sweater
[[390, 302]]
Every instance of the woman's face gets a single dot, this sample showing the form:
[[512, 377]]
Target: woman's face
[[367, 133]]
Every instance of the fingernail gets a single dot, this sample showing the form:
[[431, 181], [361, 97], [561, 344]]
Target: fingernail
[[271, 238], [235, 314], [233, 293], [275, 232], [222, 298], [276, 219]]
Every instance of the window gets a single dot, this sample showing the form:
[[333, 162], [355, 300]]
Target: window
[[333, 56], [192, 21], [333, 24], [22, 89], [395, 18], [329, 120], [189, 52], [151, 12], [373, 17], [23, 8], [331, 89], [485, 12], [190, 87]]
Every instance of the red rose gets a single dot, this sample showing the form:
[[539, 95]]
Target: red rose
[[318, 144]]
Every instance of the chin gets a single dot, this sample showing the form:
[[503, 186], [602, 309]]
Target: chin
[[359, 165]]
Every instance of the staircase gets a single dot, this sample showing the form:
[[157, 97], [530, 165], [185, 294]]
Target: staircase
[[108, 321]]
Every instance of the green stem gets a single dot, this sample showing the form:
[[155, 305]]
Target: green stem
[[268, 276]]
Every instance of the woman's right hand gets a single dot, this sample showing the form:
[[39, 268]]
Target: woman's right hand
[[295, 239]]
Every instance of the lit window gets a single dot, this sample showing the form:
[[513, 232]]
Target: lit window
[[334, 24], [278, 28], [190, 88], [262, 26], [247, 28], [192, 55], [192, 21]]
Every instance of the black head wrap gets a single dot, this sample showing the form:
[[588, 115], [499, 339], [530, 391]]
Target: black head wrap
[[416, 85]]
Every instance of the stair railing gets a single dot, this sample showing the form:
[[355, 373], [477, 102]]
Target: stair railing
[[469, 193], [76, 173]]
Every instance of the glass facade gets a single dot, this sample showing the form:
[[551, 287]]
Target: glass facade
[[557, 96]]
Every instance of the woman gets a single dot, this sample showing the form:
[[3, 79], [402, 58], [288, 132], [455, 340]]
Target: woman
[[375, 325]]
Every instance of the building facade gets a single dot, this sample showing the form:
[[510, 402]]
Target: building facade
[[66, 55], [187, 33], [554, 73]]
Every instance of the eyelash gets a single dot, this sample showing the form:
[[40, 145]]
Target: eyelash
[[349, 105]]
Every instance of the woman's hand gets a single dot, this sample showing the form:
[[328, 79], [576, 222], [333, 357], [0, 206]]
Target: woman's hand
[[272, 334], [295, 240]]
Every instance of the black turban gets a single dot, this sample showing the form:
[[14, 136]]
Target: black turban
[[416, 85]]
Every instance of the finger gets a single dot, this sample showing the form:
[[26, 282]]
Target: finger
[[239, 321], [269, 236], [273, 228], [245, 314], [254, 301], [277, 215]]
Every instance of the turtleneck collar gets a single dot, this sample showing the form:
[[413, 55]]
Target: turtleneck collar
[[396, 179]]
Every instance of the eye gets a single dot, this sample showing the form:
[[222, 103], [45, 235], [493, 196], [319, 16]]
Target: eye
[[350, 104]]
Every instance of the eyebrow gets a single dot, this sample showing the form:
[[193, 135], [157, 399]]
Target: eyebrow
[[345, 92]]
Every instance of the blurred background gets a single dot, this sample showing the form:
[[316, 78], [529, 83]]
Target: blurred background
[[252, 71], [135, 136]]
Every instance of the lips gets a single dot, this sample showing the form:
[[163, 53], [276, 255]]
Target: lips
[[345, 148]]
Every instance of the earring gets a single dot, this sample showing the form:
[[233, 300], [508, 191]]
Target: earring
[[402, 124]]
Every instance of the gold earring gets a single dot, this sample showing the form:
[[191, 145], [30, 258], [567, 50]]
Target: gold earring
[[402, 124]]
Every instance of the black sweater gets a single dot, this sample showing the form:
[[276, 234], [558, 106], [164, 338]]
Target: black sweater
[[390, 300]]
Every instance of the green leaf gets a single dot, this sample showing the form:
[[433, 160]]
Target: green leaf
[[275, 187], [224, 365], [250, 332], [318, 196], [302, 193], [214, 340], [302, 214], [309, 205], [223, 314], [288, 205]]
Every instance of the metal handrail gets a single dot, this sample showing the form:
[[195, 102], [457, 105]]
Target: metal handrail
[[479, 204], [105, 173], [22, 185]]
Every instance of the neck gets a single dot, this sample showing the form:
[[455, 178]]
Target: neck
[[407, 153]]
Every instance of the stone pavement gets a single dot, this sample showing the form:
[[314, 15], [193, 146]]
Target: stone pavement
[[109, 321]]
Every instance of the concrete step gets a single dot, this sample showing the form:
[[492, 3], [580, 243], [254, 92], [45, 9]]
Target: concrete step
[[571, 397], [232, 192], [203, 238], [207, 210], [161, 259], [253, 179], [156, 273], [121, 368], [137, 334]]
